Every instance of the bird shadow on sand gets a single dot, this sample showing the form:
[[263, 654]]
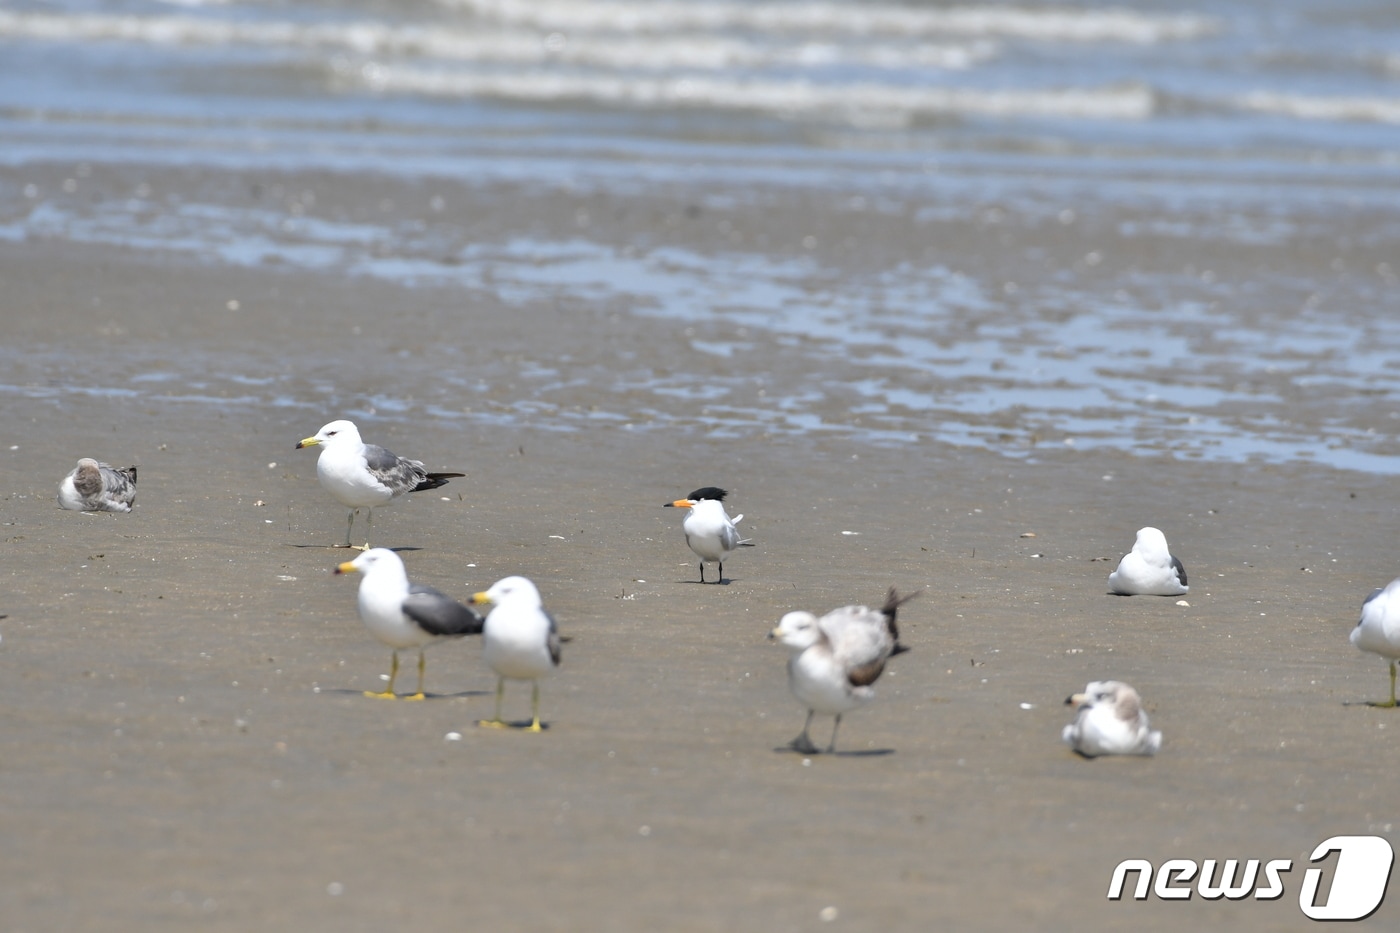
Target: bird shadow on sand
[[463, 694], [822, 753], [725, 582], [516, 725]]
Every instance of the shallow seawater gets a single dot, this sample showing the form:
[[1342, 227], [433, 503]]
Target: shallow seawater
[[1141, 226]]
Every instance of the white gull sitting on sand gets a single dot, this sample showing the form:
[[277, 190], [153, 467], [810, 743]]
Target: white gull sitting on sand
[[1110, 721], [1150, 569]]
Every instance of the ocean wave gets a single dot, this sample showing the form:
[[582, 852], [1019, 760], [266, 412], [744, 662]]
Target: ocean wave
[[1304, 107], [516, 46], [856, 102], [665, 16]]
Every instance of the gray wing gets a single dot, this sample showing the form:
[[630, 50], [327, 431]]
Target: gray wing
[[553, 641], [730, 536], [1180, 571], [398, 473], [860, 640], [440, 614], [119, 485], [1367, 603]]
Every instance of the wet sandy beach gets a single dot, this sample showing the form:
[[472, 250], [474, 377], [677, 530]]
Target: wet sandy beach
[[187, 747]]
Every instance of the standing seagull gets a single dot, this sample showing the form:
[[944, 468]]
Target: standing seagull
[[522, 642], [362, 476], [1110, 721], [1150, 569], [709, 531], [1379, 630], [405, 615], [836, 658], [98, 487]]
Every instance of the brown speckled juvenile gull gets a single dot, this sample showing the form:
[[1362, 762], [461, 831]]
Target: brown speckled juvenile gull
[[836, 658], [98, 487]]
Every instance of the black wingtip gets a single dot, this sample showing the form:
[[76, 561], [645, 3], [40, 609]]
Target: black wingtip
[[435, 480], [131, 474]]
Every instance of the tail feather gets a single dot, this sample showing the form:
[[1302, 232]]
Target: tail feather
[[891, 609]]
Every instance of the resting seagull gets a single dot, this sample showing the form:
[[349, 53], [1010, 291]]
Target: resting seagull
[[362, 476], [405, 615], [1379, 630], [98, 487], [836, 658], [521, 642], [1150, 569], [709, 531], [1111, 721]]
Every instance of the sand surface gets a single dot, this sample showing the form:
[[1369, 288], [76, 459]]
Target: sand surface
[[186, 745]]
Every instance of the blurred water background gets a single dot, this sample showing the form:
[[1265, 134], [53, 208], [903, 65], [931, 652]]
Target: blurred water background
[[1184, 220]]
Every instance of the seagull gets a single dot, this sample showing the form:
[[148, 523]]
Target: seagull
[[708, 530], [98, 487], [1110, 721], [836, 658], [362, 476], [1379, 630], [521, 642], [405, 615], [1150, 569]]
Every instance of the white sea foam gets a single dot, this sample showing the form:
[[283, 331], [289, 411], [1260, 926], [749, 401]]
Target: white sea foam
[[1307, 107], [514, 46], [1098, 25], [630, 35], [855, 102]]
